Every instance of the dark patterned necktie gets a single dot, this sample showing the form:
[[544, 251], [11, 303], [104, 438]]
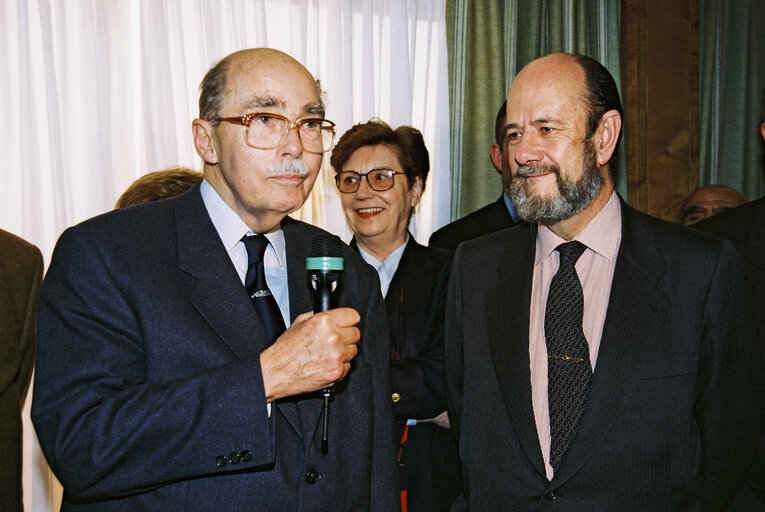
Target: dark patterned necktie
[[568, 355], [255, 282]]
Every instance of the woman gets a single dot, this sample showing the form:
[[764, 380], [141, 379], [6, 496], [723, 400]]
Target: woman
[[381, 173]]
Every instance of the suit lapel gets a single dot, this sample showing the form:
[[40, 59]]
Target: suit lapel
[[508, 306], [753, 260], [302, 411], [218, 293], [637, 310], [410, 281]]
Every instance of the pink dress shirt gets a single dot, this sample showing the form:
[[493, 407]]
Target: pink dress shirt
[[595, 268]]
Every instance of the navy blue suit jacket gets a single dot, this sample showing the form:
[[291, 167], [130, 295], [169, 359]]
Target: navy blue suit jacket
[[148, 389], [490, 218], [675, 403]]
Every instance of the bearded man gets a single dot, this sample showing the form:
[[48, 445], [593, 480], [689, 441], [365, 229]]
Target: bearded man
[[602, 359]]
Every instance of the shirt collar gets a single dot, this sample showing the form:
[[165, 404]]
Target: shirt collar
[[602, 235], [510, 207], [391, 262], [231, 228]]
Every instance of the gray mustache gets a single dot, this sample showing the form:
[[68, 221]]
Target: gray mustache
[[288, 165], [526, 171]]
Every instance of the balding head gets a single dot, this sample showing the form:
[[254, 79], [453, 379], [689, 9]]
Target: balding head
[[214, 90], [711, 200]]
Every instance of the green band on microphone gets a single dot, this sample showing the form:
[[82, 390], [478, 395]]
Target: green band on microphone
[[324, 263]]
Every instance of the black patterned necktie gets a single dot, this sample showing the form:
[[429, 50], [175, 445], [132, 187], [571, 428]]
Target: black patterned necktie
[[255, 282], [568, 355]]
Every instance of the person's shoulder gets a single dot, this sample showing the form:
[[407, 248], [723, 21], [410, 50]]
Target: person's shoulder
[[675, 242], [429, 259], [735, 224], [492, 217], [433, 253], [10, 243], [124, 229]]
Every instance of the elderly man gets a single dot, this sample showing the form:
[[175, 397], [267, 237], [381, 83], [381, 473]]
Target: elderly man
[[626, 374], [165, 377]]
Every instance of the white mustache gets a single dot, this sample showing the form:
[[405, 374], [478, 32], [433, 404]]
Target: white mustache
[[288, 165]]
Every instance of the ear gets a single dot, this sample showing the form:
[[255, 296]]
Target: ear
[[416, 192], [606, 136], [762, 130], [204, 140], [496, 156]]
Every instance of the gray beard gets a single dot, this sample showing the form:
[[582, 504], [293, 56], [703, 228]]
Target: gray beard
[[572, 197]]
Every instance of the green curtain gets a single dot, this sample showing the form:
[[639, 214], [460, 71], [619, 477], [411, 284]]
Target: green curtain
[[489, 41], [731, 82]]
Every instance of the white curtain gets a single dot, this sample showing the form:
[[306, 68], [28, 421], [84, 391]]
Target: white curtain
[[95, 93]]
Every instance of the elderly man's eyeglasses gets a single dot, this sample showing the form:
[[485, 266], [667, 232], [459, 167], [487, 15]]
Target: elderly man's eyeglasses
[[264, 130], [379, 180]]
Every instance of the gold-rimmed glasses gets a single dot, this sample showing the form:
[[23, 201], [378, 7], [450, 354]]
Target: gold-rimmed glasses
[[265, 130]]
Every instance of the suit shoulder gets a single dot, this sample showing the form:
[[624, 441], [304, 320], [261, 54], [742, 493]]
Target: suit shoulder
[[136, 225], [735, 224], [487, 249], [680, 246], [12, 244], [485, 220], [433, 259]]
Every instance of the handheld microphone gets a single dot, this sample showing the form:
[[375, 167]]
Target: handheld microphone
[[324, 266]]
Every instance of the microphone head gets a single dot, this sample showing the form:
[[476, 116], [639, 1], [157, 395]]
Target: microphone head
[[326, 246], [326, 257]]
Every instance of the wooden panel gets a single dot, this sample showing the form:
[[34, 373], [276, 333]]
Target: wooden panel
[[659, 55]]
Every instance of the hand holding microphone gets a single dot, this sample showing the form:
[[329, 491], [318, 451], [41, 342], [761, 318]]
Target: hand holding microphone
[[316, 350], [325, 266]]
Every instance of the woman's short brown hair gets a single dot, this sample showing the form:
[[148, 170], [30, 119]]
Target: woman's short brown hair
[[406, 141]]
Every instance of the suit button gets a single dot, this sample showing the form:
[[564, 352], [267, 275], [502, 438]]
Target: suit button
[[312, 476], [220, 460], [395, 397], [233, 458], [246, 456], [550, 496]]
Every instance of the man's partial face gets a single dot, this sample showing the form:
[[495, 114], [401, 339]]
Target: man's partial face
[[554, 172], [263, 186], [711, 200]]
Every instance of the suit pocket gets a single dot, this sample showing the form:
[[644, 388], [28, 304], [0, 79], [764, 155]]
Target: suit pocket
[[669, 368]]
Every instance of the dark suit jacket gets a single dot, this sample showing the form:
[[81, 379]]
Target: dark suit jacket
[[745, 227], [676, 397], [488, 219], [148, 390], [21, 269], [415, 304]]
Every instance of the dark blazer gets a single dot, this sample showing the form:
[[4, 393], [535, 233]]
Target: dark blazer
[[415, 304], [676, 397], [745, 227], [488, 219], [148, 390], [21, 267]]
